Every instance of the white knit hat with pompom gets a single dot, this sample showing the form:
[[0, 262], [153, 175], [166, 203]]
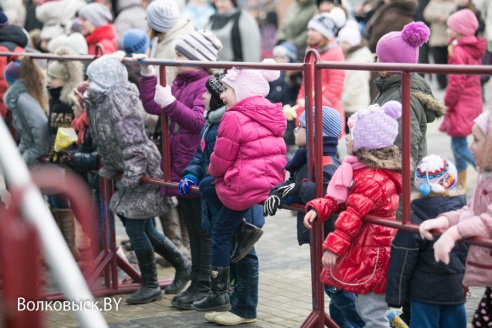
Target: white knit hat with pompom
[[251, 82]]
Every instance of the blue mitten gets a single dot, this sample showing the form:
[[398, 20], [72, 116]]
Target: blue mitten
[[185, 184]]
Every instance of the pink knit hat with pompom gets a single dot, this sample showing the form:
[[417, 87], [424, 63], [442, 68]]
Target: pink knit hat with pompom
[[250, 82], [375, 127], [403, 47]]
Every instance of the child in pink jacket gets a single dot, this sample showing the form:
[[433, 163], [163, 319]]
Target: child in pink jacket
[[463, 97], [473, 220], [246, 163]]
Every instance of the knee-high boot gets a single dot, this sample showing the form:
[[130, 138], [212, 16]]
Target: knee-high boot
[[150, 289], [66, 222], [170, 252], [246, 236], [200, 242], [217, 298]]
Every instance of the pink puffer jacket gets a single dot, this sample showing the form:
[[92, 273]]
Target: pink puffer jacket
[[249, 153]]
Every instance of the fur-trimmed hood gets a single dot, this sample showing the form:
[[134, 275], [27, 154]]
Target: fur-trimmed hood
[[74, 71], [388, 158], [434, 108]]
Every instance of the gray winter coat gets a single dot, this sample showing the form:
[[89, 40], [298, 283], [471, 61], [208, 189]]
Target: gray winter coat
[[118, 130], [30, 122]]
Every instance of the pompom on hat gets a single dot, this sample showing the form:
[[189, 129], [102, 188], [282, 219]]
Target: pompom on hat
[[435, 174], [12, 72], [251, 82], [375, 127], [403, 47], [214, 86], [350, 34], [463, 22], [332, 122]]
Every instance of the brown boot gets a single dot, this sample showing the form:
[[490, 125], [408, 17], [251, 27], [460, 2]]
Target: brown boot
[[462, 180], [66, 222]]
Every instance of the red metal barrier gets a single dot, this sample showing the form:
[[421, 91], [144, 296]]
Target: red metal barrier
[[312, 69]]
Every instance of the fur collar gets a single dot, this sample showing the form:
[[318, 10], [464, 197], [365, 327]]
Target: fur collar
[[388, 158], [430, 103]]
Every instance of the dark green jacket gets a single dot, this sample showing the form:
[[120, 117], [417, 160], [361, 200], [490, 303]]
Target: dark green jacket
[[425, 109]]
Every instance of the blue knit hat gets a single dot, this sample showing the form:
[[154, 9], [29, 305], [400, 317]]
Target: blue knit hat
[[332, 122], [12, 72], [4, 20], [135, 41], [286, 49]]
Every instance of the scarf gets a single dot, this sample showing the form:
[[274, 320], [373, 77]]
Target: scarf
[[342, 179], [80, 125]]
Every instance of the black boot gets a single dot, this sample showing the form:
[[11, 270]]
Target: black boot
[[200, 268], [246, 236], [217, 298], [170, 252], [150, 289]]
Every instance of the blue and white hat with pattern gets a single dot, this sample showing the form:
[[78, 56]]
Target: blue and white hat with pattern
[[435, 173], [332, 122]]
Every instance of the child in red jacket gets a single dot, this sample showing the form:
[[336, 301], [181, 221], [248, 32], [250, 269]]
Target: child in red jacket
[[368, 183], [463, 97], [321, 35]]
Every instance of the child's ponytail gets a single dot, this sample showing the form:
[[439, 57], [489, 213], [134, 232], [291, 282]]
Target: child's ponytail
[[34, 79]]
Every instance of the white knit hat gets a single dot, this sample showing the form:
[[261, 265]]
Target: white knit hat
[[200, 45], [436, 174], [97, 13], [162, 15]]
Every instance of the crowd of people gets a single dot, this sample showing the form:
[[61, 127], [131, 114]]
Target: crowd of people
[[236, 133]]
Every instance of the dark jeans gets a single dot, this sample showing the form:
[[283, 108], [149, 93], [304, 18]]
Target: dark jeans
[[342, 308], [143, 234], [437, 316], [227, 223]]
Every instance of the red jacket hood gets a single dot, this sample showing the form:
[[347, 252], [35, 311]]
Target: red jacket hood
[[264, 112]]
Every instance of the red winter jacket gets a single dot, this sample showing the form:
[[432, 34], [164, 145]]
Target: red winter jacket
[[106, 36], [463, 97], [363, 249], [332, 84]]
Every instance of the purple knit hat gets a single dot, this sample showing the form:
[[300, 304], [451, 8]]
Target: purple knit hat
[[250, 82], [375, 127], [403, 47]]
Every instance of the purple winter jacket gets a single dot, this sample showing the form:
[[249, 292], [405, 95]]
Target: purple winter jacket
[[185, 118]]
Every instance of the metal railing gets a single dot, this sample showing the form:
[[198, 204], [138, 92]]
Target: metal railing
[[312, 68]]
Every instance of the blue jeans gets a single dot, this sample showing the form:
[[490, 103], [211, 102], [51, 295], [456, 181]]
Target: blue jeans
[[342, 308], [223, 230], [437, 316], [143, 234], [462, 154]]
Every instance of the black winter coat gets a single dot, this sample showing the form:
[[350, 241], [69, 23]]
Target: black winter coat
[[413, 272]]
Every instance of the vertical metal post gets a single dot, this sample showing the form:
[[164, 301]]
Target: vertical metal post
[[405, 85], [166, 154]]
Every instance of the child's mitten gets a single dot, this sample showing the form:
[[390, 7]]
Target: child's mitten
[[445, 244], [271, 203], [163, 96], [291, 189], [185, 184], [428, 225], [145, 70]]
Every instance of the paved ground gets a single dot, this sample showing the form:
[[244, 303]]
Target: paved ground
[[285, 287]]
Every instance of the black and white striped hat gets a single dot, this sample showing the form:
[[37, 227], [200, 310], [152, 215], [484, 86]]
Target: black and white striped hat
[[200, 45]]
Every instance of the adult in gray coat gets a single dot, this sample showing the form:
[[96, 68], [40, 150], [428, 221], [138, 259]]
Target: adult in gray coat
[[118, 130], [131, 15], [25, 99]]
